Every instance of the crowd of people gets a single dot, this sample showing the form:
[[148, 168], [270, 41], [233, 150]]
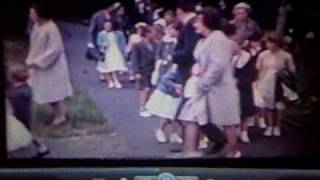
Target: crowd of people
[[207, 78]]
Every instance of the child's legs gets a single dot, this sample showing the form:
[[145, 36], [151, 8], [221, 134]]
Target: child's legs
[[114, 76], [269, 114], [260, 113], [108, 77], [277, 118], [130, 70], [163, 123], [176, 128], [244, 124], [143, 97], [145, 90]]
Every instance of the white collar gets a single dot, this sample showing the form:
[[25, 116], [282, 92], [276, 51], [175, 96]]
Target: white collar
[[169, 39]]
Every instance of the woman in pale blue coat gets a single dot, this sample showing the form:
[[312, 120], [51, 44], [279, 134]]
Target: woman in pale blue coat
[[111, 44]]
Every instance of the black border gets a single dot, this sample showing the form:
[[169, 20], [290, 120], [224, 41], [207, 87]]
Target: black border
[[3, 152], [256, 163]]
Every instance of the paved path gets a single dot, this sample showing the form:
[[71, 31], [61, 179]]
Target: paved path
[[137, 134]]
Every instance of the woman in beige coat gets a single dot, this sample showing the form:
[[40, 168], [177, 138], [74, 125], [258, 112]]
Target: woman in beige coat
[[49, 75], [217, 97]]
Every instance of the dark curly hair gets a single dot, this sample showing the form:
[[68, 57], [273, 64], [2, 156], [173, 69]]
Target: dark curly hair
[[43, 10], [211, 18]]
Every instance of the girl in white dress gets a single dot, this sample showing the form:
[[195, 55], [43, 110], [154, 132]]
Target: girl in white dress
[[112, 44], [164, 103], [269, 64]]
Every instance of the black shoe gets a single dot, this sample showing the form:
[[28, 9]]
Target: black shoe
[[216, 136], [176, 148], [215, 148], [42, 154]]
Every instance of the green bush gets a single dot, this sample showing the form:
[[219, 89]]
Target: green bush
[[81, 108], [83, 115]]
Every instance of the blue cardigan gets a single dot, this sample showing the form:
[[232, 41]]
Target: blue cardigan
[[167, 82], [103, 41]]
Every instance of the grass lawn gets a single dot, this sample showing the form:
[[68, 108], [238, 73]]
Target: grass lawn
[[84, 117]]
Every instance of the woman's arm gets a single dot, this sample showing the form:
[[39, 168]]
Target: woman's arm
[[53, 50], [91, 31], [122, 42], [217, 64], [290, 64], [259, 62]]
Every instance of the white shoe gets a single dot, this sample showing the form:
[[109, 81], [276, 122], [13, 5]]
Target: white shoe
[[262, 123], [244, 137], [268, 132], [277, 132], [237, 155], [175, 138], [160, 136], [145, 114], [117, 85], [203, 144], [111, 85]]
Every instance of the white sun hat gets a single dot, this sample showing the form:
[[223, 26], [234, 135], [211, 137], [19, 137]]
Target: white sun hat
[[242, 5], [160, 22], [116, 5], [140, 24], [137, 1]]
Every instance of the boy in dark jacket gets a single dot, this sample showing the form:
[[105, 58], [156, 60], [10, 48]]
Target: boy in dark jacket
[[143, 60], [20, 96]]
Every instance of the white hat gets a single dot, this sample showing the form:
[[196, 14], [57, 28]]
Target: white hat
[[160, 22], [140, 24], [199, 7], [116, 5], [242, 5], [137, 1]]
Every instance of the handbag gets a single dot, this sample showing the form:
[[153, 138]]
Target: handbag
[[288, 78], [93, 54]]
